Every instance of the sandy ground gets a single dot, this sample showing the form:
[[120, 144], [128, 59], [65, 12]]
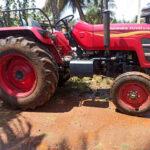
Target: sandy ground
[[79, 117]]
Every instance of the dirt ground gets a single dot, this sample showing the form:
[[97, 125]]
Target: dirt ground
[[79, 117]]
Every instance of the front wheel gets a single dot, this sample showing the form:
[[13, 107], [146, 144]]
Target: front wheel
[[131, 93], [28, 74]]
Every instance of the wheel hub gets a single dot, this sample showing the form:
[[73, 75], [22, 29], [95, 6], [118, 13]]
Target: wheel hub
[[19, 75], [133, 95]]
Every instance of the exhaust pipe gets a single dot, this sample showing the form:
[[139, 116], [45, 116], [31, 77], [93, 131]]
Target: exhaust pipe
[[106, 22]]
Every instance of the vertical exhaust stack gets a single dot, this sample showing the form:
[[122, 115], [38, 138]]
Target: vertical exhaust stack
[[106, 22]]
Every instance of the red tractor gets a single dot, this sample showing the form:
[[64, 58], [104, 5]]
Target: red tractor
[[34, 59]]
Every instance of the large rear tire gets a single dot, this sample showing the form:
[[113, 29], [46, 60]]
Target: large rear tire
[[131, 93], [28, 74]]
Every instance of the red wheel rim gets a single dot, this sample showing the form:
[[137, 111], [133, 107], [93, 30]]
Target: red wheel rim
[[17, 75], [133, 95]]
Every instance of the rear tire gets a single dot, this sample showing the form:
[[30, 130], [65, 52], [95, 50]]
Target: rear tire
[[28, 74], [131, 93]]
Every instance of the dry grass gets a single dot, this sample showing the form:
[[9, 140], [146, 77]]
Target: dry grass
[[87, 83]]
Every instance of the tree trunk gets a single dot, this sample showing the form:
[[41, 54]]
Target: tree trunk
[[82, 16], [55, 10]]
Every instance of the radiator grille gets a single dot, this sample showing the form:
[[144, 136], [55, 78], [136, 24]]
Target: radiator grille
[[146, 48]]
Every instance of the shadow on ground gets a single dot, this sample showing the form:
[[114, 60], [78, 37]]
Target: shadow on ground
[[65, 131], [15, 131], [76, 94]]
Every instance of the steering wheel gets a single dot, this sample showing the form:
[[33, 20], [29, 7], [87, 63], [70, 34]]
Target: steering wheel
[[64, 21]]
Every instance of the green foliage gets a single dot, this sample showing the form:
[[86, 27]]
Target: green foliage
[[114, 20], [12, 18], [93, 15], [58, 6], [11, 4], [15, 18], [94, 11]]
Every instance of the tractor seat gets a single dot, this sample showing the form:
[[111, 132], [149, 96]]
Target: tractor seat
[[83, 26]]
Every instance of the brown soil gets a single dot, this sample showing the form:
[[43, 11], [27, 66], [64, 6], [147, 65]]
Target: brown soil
[[79, 117]]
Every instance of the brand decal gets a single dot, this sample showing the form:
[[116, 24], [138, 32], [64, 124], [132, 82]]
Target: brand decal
[[131, 28]]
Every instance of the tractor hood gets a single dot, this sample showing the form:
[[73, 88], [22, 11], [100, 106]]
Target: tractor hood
[[113, 27], [91, 36]]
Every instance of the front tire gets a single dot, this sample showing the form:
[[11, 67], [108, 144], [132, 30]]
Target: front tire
[[28, 74], [131, 93]]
